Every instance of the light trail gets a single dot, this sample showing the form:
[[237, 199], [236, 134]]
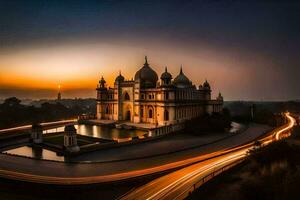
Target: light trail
[[290, 125], [176, 185], [27, 127], [200, 171]]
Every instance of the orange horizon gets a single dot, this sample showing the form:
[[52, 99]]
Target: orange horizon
[[27, 83], [77, 67]]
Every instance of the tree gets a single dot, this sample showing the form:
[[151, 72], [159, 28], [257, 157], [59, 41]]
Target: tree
[[216, 122], [12, 101]]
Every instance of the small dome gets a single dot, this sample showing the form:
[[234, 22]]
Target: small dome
[[102, 82], [206, 85], [120, 78], [70, 129], [181, 80], [146, 75], [166, 75]]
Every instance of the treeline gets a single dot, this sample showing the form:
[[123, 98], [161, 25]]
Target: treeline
[[272, 173], [261, 113], [216, 122], [13, 113]]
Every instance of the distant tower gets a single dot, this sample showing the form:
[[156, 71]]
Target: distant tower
[[70, 139], [59, 94], [37, 133]]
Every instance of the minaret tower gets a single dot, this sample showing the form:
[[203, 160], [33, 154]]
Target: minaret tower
[[59, 94], [101, 97]]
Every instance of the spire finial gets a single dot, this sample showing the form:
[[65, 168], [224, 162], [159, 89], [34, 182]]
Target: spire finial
[[146, 60], [181, 70], [102, 82], [120, 72], [102, 79], [166, 69]]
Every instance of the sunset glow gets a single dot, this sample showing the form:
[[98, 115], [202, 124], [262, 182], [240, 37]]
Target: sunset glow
[[78, 56], [81, 66], [151, 99]]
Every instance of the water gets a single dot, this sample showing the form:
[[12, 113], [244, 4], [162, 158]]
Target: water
[[110, 133], [104, 132], [35, 152]]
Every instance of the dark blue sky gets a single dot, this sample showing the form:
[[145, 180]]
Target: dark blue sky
[[215, 21], [266, 28], [265, 24]]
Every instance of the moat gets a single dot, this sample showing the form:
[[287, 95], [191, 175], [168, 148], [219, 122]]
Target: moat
[[104, 132]]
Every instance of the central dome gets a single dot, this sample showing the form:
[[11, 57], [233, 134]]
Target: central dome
[[146, 75]]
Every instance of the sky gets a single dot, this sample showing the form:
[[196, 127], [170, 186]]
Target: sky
[[247, 50]]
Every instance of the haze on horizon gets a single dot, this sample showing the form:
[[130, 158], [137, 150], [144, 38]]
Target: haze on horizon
[[246, 50]]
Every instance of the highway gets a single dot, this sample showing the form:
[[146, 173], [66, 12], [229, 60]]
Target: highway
[[178, 184]]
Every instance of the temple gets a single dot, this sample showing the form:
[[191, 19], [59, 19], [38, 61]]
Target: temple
[[146, 99]]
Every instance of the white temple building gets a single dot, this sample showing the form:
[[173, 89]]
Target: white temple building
[[149, 100]]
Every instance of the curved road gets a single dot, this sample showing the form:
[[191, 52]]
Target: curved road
[[178, 184]]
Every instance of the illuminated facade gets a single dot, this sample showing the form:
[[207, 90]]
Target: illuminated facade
[[148, 100]]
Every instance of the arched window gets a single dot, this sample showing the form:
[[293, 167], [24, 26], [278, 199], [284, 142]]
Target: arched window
[[107, 110], [167, 95], [150, 114], [142, 112], [166, 115], [126, 96]]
